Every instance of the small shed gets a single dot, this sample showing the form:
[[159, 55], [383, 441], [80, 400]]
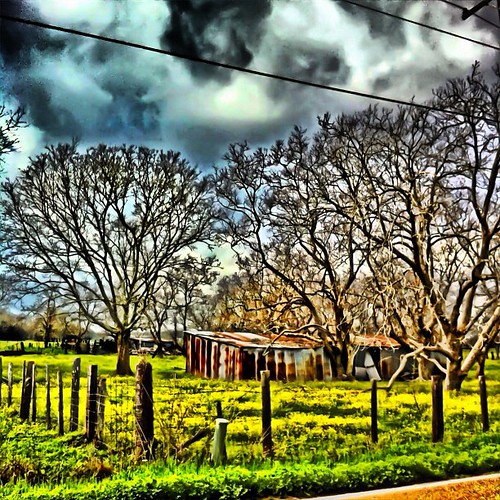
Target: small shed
[[240, 356], [377, 357]]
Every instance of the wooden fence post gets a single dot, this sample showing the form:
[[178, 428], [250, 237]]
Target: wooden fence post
[[218, 406], [75, 395], [60, 413], [219, 454], [23, 383], [10, 381], [374, 411], [24, 411], [267, 438], [437, 409], [143, 410], [101, 399], [91, 415], [485, 421], [48, 419], [33, 393]]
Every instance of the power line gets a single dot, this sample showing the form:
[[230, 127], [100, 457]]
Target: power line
[[232, 67], [422, 25], [476, 15]]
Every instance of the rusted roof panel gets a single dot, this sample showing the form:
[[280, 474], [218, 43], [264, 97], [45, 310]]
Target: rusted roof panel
[[246, 339], [376, 341]]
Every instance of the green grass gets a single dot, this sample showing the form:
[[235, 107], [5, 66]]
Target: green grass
[[317, 426]]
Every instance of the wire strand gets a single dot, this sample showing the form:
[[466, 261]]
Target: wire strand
[[232, 67], [422, 25]]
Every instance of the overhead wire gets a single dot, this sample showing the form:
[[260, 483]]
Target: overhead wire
[[475, 14], [422, 25], [232, 67]]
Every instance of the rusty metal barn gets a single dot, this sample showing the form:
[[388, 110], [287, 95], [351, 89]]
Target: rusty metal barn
[[240, 356]]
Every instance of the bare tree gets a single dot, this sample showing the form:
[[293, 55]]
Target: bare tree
[[10, 123], [273, 206], [423, 189], [189, 283], [103, 226], [180, 293]]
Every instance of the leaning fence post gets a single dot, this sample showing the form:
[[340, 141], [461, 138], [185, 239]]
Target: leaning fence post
[[485, 421], [437, 409], [219, 454], [91, 415], [143, 410], [374, 410], [33, 393], [267, 439], [101, 398], [75, 395], [10, 380], [60, 413], [47, 398], [24, 411]]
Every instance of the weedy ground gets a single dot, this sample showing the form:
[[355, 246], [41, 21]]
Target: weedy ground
[[321, 435]]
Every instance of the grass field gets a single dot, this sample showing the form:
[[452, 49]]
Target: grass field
[[319, 430]]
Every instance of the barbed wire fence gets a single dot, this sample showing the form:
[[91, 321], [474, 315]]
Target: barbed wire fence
[[165, 418]]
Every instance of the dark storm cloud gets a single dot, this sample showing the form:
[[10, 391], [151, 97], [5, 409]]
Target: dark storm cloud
[[326, 67], [19, 46], [138, 118], [206, 145], [222, 30], [49, 117], [22, 48], [18, 42], [103, 93]]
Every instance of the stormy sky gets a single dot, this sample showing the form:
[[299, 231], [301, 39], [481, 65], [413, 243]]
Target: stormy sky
[[73, 87]]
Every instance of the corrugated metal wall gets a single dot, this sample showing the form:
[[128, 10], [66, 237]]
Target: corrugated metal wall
[[213, 358]]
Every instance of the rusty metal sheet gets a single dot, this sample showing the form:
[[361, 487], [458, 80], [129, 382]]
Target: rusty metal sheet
[[376, 341], [211, 356], [244, 339]]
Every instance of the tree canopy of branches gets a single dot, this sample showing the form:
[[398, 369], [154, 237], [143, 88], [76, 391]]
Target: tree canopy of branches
[[180, 294], [104, 227], [392, 212], [10, 123], [272, 206]]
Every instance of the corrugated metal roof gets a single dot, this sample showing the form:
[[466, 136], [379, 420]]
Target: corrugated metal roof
[[376, 341], [246, 339]]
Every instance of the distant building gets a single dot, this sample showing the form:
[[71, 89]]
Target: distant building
[[378, 357], [240, 356]]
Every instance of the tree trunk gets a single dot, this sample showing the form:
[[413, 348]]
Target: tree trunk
[[123, 361], [339, 371], [454, 376], [350, 361], [481, 359]]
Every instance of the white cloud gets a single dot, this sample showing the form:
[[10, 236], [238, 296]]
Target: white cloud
[[96, 13], [71, 88], [31, 143]]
